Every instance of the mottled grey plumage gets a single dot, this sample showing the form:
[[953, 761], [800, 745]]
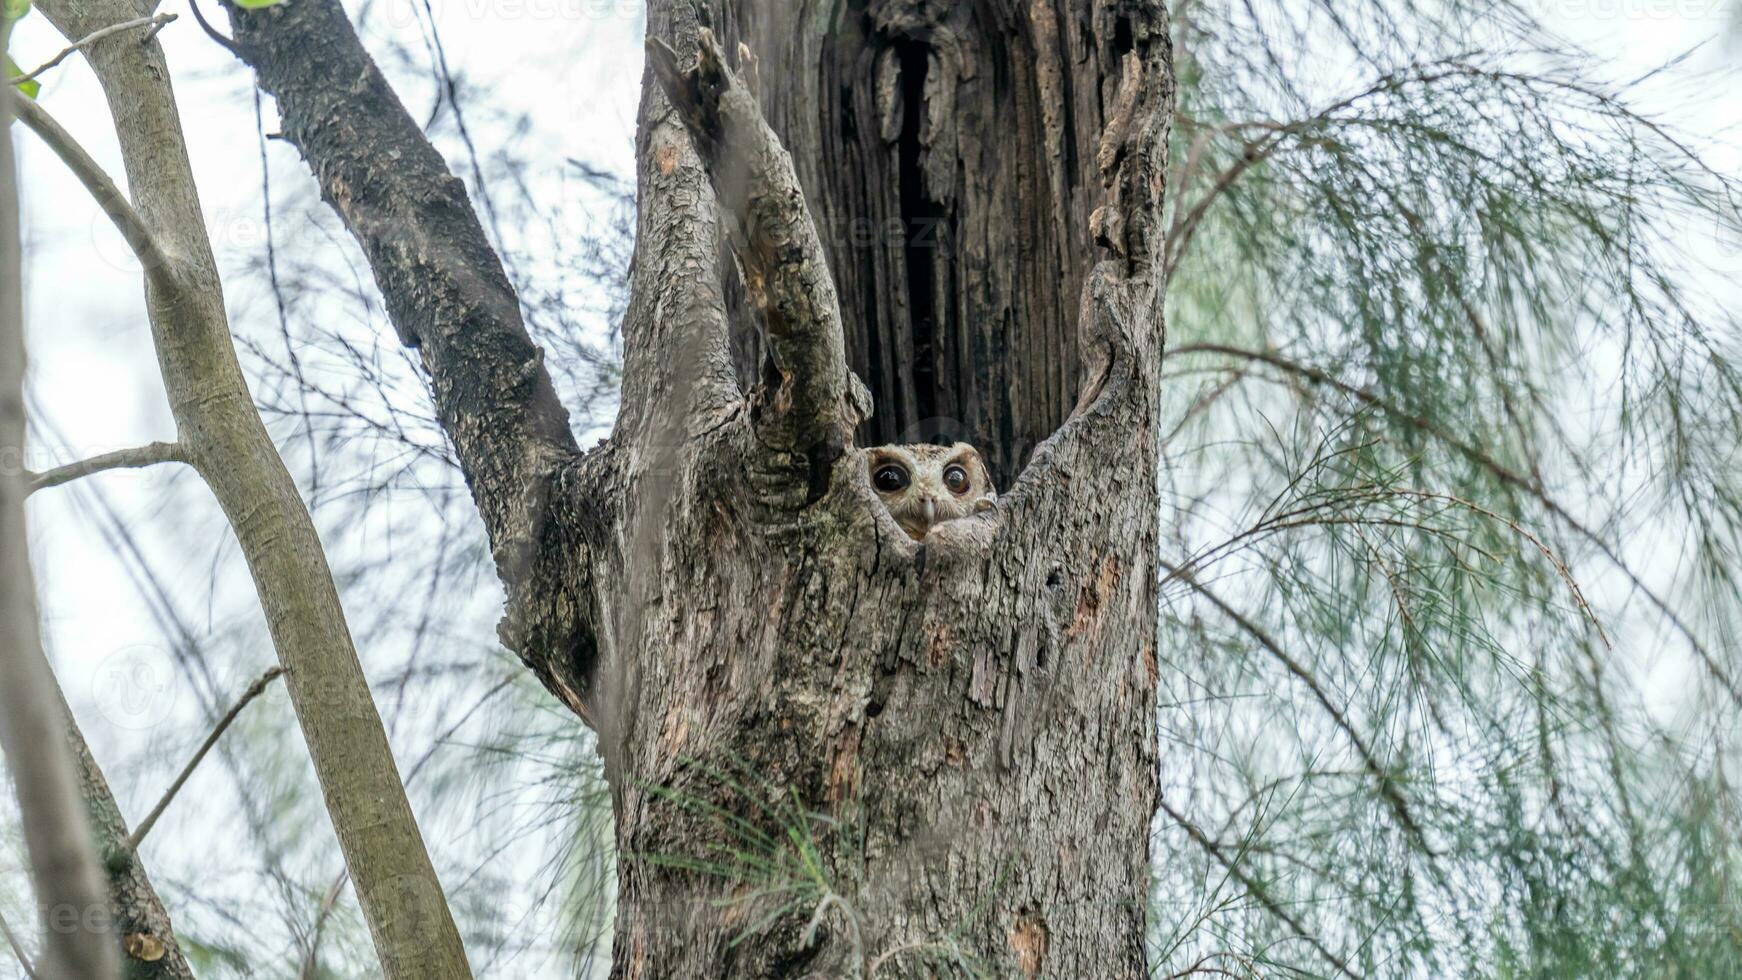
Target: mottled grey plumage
[[923, 485]]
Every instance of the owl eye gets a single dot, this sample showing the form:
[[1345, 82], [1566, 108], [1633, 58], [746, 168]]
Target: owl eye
[[892, 478], [956, 478]]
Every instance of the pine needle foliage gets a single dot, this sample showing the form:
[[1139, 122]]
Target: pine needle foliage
[[1454, 502]]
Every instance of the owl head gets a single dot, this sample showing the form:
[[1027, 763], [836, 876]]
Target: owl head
[[923, 485]]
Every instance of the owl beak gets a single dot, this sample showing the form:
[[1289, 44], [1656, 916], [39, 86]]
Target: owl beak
[[929, 507]]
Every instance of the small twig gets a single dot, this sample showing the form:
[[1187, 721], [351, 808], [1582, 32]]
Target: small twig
[[156, 24], [311, 962], [1202, 967], [1503, 473], [254, 690], [213, 32], [1256, 890], [1387, 785], [109, 197], [1185, 225], [17, 949], [135, 458], [1560, 566]]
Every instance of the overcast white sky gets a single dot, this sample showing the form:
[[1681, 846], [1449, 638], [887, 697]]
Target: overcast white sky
[[574, 64]]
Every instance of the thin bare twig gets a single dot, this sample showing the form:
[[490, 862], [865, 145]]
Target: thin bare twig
[[311, 961], [254, 690], [213, 32], [108, 197], [134, 458], [1504, 474], [155, 22], [17, 949], [1256, 890], [1387, 785]]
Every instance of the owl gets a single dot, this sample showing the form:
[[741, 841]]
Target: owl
[[923, 485]]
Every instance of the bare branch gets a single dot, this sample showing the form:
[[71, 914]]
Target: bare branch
[[398, 890], [444, 286], [63, 858], [155, 22], [135, 458], [254, 690], [13, 941], [817, 402], [127, 221], [446, 293]]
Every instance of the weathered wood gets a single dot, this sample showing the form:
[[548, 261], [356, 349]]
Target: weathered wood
[[974, 728], [952, 153], [834, 751]]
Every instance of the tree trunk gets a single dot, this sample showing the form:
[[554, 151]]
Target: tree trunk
[[832, 751], [840, 754]]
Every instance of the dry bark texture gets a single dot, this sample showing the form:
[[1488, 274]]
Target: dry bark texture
[[953, 156], [974, 716], [833, 752], [138, 918]]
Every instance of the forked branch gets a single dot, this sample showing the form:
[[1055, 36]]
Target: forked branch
[[444, 286], [155, 22], [816, 402]]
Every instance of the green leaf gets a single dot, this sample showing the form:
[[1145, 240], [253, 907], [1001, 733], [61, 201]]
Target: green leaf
[[256, 4], [16, 9], [30, 88]]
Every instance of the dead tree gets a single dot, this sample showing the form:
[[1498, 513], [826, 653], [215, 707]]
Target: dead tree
[[832, 752]]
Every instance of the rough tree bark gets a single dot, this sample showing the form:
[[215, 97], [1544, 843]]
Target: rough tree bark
[[832, 752]]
